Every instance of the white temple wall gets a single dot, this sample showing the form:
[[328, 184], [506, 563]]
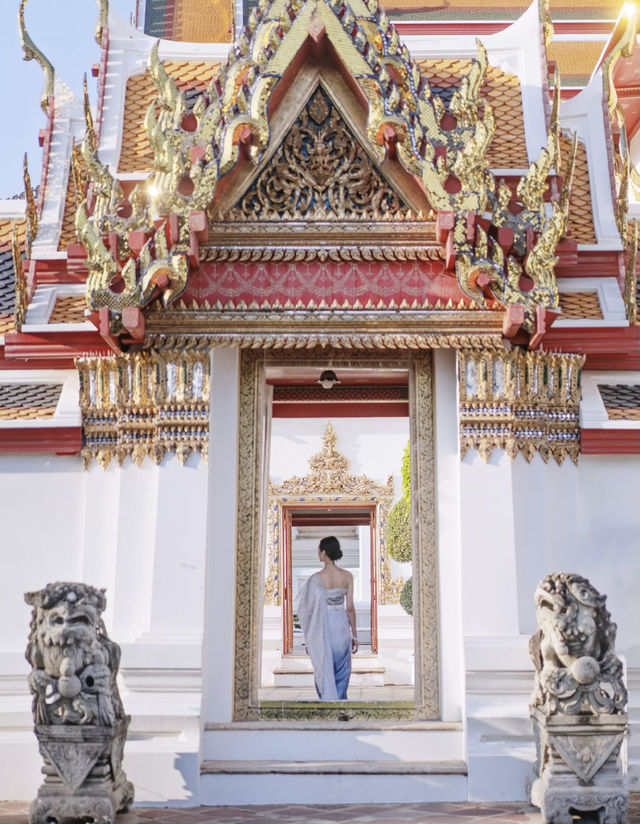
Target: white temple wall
[[519, 523], [143, 533], [140, 532]]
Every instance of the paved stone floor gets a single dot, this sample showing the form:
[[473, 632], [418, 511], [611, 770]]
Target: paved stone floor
[[502, 813], [363, 693]]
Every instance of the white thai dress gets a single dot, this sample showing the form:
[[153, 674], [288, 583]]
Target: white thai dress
[[327, 636]]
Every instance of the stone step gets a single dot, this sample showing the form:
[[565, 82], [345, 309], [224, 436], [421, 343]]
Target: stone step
[[254, 767], [357, 741], [298, 676], [226, 782]]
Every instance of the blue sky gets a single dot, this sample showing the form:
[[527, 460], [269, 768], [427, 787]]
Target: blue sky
[[63, 30]]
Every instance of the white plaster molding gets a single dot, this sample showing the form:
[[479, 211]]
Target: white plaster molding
[[593, 414], [585, 115], [68, 409], [68, 124], [609, 296], [12, 209], [42, 305]]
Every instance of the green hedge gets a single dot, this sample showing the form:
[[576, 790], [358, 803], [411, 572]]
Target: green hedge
[[406, 597], [398, 532]]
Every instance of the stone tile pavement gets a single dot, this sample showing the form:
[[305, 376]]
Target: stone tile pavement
[[470, 813]]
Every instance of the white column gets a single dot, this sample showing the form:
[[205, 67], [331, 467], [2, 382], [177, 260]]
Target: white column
[[135, 541], [100, 532], [447, 460], [219, 611], [545, 517], [177, 599], [364, 577]]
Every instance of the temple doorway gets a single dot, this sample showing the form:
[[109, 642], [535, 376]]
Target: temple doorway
[[334, 463], [355, 528], [315, 450]]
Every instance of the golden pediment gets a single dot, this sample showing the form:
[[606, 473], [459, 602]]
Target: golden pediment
[[320, 171]]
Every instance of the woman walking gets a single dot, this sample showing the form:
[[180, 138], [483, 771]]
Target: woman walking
[[328, 619]]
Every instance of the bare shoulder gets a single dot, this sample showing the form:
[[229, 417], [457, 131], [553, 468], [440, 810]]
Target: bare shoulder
[[347, 577]]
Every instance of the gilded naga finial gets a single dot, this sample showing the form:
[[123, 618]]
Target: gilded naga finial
[[103, 19], [32, 52], [31, 210]]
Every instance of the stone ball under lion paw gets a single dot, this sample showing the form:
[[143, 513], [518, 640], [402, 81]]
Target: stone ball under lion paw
[[585, 670]]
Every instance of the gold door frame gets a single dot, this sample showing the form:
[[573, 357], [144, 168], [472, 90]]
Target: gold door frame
[[251, 516], [282, 508]]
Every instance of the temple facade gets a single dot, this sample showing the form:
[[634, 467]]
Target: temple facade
[[292, 267]]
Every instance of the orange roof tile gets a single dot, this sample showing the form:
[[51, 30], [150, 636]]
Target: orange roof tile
[[203, 21], [508, 149], [28, 401], [580, 305], [136, 154], [68, 310], [576, 59], [581, 226], [195, 21], [6, 230], [432, 10], [622, 401]]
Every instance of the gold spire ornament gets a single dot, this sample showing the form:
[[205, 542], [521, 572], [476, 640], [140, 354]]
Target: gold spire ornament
[[32, 52]]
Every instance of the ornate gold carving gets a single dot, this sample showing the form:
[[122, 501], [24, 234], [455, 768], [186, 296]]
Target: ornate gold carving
[[546, 22], [329, 479], [424, 539], [32, 52], [31, 211], [631, 272], [629, 17], [522, 272], [520, 402], [622, 171], [144, 405], [319, 172], [248, 549], [102, 21], [21, 286], [230, 254], [339, 341], [248, 600]]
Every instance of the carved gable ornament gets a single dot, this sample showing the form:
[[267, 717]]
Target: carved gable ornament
[[143, 249], [329, 481], [319, 172]]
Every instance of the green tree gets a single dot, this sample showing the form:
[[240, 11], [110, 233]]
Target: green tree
[[398, 533], [406, 596]]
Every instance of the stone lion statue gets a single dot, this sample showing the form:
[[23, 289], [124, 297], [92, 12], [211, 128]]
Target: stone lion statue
[[573, 651], [74, 663]]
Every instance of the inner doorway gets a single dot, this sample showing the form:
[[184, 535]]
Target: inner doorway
[[258, 624], [355, 528], [332, 466]]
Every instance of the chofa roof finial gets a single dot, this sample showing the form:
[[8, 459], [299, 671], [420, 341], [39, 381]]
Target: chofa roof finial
[[32, 52]]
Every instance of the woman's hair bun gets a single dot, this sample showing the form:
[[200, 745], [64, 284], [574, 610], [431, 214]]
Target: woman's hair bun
[[331, 546]]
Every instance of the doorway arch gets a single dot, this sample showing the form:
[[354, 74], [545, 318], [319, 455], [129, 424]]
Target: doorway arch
[[251, 520]]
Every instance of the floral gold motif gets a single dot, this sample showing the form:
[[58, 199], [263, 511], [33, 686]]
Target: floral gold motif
[[521, 402], [329, 479], [320, 170], [144, 405]]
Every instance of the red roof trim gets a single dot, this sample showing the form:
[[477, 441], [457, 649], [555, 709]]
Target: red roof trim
[[63, 440], [610, 441]]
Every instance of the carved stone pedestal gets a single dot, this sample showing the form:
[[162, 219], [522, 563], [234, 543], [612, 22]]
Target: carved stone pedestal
[[579, 767], [83, 773]]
